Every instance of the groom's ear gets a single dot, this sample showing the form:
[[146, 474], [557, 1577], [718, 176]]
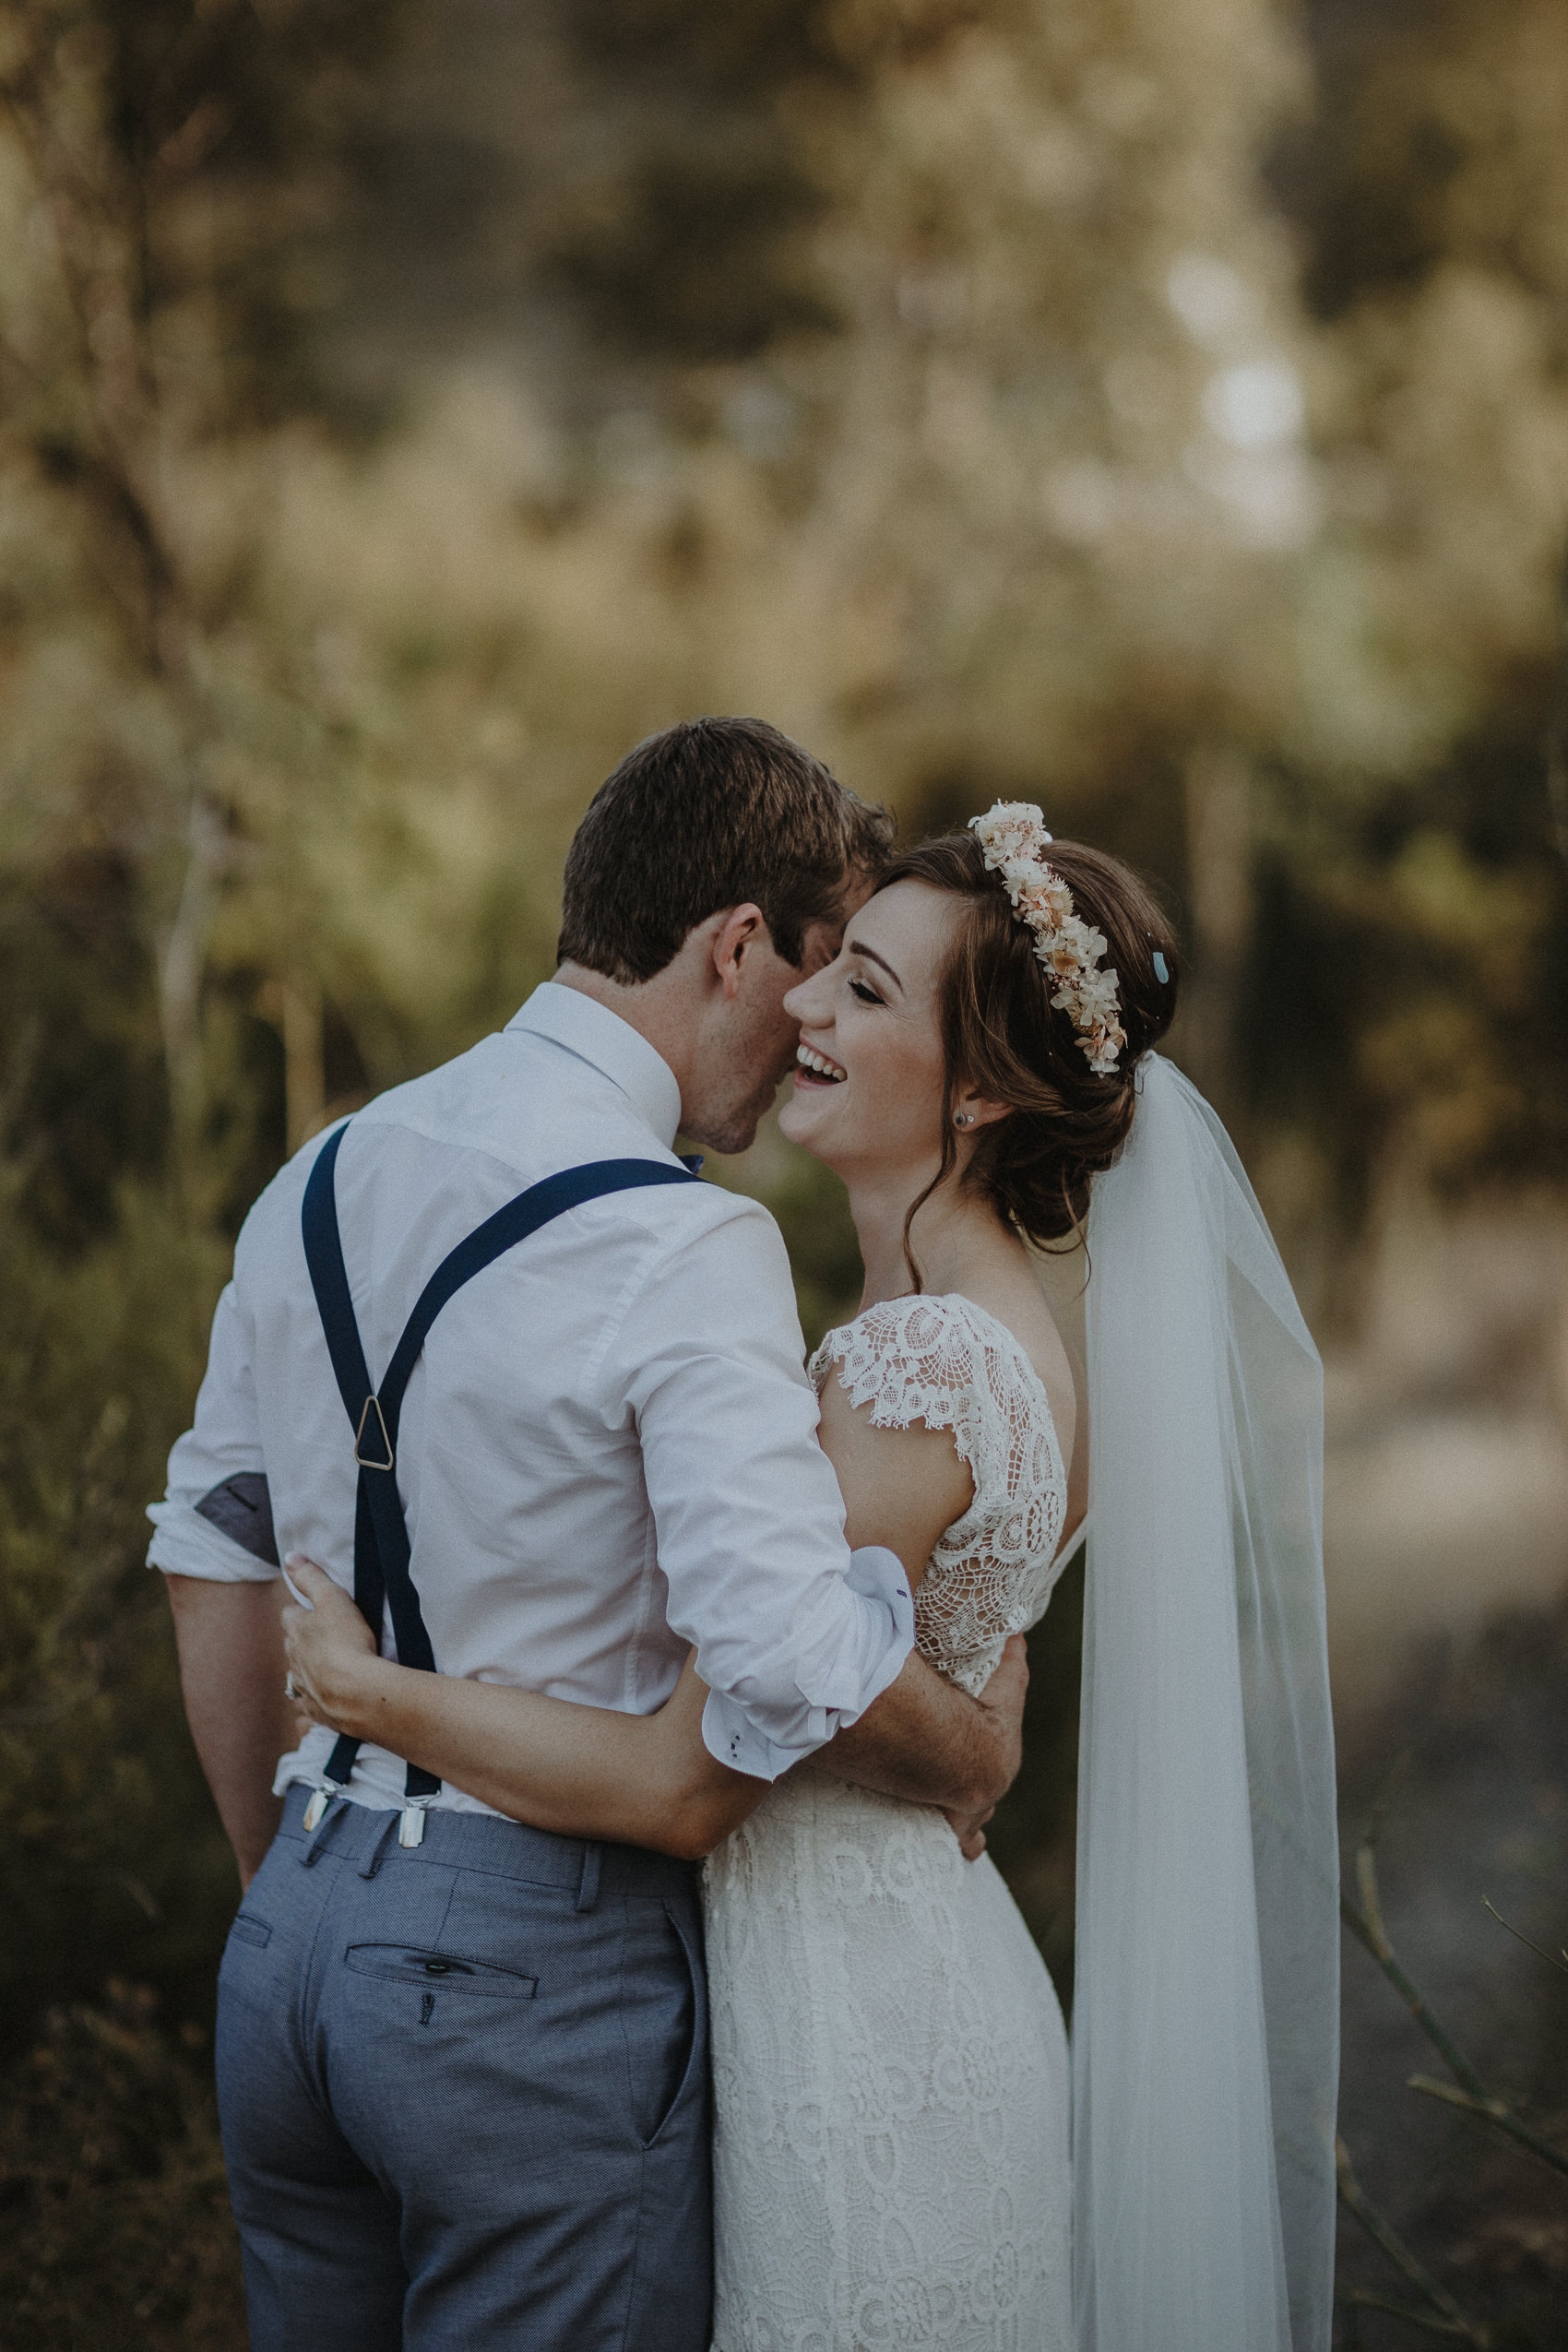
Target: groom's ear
[[742, 928]]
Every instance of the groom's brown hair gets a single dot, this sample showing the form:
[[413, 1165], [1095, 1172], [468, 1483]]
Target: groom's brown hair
[[713, 812]]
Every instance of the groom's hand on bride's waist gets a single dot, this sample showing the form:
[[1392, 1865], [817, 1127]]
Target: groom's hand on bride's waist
[[928, 1742], [970, 1831], [1002, 1701]]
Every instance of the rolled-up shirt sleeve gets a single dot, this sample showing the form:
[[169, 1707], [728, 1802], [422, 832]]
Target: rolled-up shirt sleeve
[[217, 1475], [794, 1638]]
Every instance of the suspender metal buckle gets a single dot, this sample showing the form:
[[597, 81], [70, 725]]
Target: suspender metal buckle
[[373, 1404]]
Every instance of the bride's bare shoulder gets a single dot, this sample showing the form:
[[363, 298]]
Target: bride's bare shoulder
[[1013, 1297]]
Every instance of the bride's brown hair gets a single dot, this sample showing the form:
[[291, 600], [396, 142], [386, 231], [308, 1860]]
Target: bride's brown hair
[[1001, 1035]]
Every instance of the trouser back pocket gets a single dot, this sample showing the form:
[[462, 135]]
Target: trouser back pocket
[[409, 1964]]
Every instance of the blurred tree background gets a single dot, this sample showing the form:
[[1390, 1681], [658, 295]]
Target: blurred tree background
[[1155, 408]]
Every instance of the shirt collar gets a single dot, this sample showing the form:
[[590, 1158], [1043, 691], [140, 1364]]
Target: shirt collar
[[609, 1045]]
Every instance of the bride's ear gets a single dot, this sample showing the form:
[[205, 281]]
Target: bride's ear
[[972, 1110]]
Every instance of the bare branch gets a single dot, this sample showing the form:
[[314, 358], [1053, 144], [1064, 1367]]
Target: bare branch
[[1383, 2235], [1367, 1930], [1360, 2301], [1371, 1907], [1493, 2111], [1560, 1965], [1387, 1789]]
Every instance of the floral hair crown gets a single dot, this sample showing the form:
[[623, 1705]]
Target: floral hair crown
[[1013, 836]]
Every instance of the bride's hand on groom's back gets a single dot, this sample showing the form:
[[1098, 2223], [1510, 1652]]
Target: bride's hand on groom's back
[[327, 1645]]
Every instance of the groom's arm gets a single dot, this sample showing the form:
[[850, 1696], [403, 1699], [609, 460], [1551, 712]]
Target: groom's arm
[[793, 1638], [230, 1647], [214, 1545], [929, 1742]]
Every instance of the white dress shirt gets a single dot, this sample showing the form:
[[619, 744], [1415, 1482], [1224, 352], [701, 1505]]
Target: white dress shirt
[[607, 1450]]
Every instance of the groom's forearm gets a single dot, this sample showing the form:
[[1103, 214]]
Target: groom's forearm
[[929, 1742], [230, 1650]]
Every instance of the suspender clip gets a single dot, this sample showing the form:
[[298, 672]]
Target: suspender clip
[[321, 1796], [373, 1404], [410, 1826]]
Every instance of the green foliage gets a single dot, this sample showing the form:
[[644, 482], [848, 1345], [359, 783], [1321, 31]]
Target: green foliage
[[117, 2233], [110, 1856], [83, 1103], [1403, 998]]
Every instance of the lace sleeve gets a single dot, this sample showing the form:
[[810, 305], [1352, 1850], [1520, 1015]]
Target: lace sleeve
[[948, 1363], [910, 1359]]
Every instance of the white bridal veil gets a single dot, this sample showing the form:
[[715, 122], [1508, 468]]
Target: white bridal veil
[[1204, 2029]]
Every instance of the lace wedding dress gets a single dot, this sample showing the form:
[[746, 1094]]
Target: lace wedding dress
[[890, 2068]]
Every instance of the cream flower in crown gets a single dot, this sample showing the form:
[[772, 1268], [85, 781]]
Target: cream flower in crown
[[1013, 836]]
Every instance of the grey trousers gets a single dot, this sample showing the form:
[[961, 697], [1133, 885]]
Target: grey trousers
[[464, 2092]]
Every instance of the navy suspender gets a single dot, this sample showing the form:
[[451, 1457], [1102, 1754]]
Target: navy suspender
[[382, 1577]]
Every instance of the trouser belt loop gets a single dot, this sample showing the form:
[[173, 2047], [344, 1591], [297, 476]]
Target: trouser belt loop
[[587, 1885], [377, 1854], [321, 1838]]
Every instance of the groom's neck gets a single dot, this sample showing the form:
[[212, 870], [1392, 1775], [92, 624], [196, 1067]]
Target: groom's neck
[[661, 1010]]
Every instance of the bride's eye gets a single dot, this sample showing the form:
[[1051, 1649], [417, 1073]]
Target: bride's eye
[[866, 993]]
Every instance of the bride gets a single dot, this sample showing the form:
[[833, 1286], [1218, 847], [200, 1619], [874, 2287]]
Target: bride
[[892, 2090]]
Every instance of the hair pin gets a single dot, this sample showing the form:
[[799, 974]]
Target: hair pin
[[1161, 969]]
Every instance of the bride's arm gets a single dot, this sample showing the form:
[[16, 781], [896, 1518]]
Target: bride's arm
[[582, 1771]]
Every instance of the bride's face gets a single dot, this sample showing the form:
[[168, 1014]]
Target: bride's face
[[871, 1017]]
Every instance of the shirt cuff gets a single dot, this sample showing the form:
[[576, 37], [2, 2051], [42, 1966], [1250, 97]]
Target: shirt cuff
[[188, 1545], [885, 1635]]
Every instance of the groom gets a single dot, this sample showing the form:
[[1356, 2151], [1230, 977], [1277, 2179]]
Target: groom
[[462, 2064]]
